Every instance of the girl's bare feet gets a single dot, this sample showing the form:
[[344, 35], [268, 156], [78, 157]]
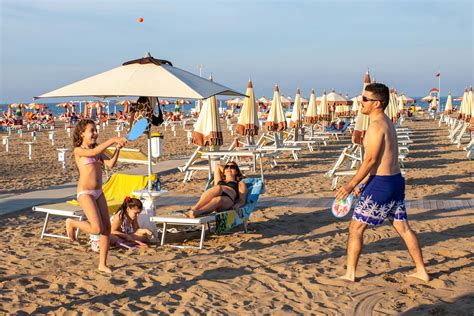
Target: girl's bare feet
[[348, 277], [70, 230], [104, 269], [190, 214]]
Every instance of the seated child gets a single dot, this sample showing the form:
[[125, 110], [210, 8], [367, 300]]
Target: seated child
[[125, 228]]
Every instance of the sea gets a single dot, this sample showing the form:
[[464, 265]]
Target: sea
[[113, 108]]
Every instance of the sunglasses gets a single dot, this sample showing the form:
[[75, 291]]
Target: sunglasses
[[232, 167], [365, 99]]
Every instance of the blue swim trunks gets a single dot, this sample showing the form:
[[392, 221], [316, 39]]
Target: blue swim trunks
[[383, 197]]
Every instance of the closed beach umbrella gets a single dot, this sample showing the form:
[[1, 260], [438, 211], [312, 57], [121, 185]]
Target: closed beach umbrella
[[391, 109], [311, 116], [448, 108], [362, 120], [355, 106], [208, 130], [401, 106], [247, 123], [276, 118], [470, 107], [323, 109], [295, 120]]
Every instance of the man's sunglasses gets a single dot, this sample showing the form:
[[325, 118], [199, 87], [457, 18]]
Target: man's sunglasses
[[365, 99], [232, 167]]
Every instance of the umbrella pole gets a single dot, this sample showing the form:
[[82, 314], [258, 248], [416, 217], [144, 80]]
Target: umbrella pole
[[149, 160]]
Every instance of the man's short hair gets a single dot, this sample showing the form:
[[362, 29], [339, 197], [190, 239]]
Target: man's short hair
[[380, 91]]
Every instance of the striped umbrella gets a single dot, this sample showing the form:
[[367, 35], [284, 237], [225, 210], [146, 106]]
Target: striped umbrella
[[276, 118], [247, 123], [295, 121]]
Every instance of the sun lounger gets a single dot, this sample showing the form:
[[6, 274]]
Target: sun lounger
[[59, 209], [224, 220]]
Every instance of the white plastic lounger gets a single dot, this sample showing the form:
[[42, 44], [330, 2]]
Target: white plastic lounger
[[59, 209]]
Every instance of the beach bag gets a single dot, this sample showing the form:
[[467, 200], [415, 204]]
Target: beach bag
[[144, 108]]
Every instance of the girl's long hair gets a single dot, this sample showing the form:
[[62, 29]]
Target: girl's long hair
[[78, 130], [128, 203]]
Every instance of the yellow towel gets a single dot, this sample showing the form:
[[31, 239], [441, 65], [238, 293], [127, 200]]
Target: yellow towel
[[118, 187]]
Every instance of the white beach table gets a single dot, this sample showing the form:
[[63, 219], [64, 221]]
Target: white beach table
[[180, 220], [59, 209], [149, 206]]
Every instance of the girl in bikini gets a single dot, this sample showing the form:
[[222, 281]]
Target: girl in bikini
[[228, 192], [125, 228], [89, 158]]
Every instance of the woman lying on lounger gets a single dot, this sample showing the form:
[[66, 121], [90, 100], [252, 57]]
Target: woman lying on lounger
[[228, 192]]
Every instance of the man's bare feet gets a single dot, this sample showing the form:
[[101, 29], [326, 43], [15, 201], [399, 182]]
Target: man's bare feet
[[104, 269], [422, 275], [348, 277], [70, 230]]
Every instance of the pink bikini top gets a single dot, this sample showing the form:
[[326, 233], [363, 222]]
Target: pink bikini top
[[89, 160]]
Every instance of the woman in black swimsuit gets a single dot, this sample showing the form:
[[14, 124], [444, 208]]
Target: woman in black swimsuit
[[228, 192]]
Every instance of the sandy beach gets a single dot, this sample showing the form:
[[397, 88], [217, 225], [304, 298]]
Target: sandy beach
[[287, 264]]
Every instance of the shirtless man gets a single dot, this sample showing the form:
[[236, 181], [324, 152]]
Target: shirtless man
[[384, 193]]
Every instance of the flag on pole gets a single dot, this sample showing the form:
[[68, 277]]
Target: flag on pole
[[438, 74]]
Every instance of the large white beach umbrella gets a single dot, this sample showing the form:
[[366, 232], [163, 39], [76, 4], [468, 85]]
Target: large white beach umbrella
[[406, 99], [144, 77], [207, 131], [401, 106], [295, 120], [448, 108], [276, 118], [247, 123], [148, 77], [362, 120], [355, 105]]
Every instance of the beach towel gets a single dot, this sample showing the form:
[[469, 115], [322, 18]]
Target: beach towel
[[118, 187]]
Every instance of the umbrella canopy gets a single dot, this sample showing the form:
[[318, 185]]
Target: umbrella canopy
[[144, 77], [276, 118], [334, 98], [247, 124], [295, 120], [97, 104], [362, 120], [427, 99], [235, 101], [18, 105], [124, 103], [36, 106], [323, 109], [406, 99], [64, 105], [448, 108], [264, 100], [311, 116], [285, 101], [208, 130]]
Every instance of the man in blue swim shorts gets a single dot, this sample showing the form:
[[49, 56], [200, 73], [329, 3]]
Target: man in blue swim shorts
[[384, 194]]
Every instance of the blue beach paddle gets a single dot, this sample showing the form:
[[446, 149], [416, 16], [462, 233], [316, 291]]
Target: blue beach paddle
[[137, 129]]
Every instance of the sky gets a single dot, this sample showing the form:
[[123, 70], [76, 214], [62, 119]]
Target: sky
[[46, 44]]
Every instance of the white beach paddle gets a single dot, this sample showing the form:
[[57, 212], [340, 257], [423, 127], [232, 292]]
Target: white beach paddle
[[341, 208], [137, 129]]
